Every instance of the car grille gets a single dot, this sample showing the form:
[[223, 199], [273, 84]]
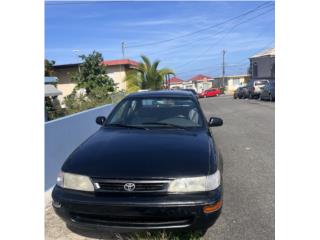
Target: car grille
[[105, 185], [133, 221]]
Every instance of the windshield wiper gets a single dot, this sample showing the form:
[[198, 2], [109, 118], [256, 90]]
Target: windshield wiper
[[124, 126], [164, 124]]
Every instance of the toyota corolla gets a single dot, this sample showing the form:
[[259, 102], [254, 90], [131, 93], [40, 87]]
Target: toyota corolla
[[153, 164]]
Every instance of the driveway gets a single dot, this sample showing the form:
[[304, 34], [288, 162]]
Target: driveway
[[246, 141]]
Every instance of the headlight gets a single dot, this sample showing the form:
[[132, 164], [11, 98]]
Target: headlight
[[75, 182], [195, 184]]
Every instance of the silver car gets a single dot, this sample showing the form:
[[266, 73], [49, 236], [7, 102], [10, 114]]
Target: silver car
[[255, 87]]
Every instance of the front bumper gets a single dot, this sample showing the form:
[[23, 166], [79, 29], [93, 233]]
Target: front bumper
[[128, 212]]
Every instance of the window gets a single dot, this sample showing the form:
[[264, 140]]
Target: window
[[255, 69], [157, 112]]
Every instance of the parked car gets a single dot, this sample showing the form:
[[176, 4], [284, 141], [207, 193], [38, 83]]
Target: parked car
[[236, 93], [211, 92], [268, 92], [254, 87], [241, 92], [153, 164]]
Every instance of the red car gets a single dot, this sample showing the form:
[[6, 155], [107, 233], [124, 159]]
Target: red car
[[212, 92]]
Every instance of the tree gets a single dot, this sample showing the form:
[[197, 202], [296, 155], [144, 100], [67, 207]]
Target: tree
[[93, 74], [94, 79], [147, 75], [48, 67]]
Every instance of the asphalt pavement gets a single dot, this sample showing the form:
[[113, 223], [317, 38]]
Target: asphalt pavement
[[246, 141]]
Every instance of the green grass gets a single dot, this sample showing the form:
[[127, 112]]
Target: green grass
[[160, 235]]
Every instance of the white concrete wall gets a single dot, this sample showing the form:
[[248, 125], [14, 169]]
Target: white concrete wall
[[64, 135]]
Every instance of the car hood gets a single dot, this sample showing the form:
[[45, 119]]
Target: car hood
[[135, 153]]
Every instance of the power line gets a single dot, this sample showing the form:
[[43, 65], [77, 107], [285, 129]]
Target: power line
[[207, 50], [203, 29], [241, 62], [192, 43]]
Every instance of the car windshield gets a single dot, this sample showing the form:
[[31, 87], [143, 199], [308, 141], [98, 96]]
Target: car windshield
[[162, 112]]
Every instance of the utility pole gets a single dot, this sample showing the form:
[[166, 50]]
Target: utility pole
[[223, 66], [76, 51], [123, 49]]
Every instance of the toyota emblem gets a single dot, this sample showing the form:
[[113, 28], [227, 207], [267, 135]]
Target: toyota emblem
[[129, 187]]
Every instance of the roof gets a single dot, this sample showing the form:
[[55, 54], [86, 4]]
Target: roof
[[120, 62], [176, 80], [50, 80], [200, 77], [68, 65], [51, 91], [161, 93], [266, 52]]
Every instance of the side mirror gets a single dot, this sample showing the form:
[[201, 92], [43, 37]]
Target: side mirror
[[100, 120], [215, 122]]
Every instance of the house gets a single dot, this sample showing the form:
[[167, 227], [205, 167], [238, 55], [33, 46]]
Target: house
[[231, 83], [262, 64], [176, 83], [200, 82], [116, 69]]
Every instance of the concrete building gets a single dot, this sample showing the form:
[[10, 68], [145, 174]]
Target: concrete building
[[116, 69], [176, 83], [262, 65], [231, 83], [201, 82]]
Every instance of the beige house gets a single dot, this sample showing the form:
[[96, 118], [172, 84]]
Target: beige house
[[200, 82], [116, 69], [231, 83]]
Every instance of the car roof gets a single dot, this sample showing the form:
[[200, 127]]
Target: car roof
[[161, 93]]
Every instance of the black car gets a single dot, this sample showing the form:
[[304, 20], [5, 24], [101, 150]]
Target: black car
[[268, 92], [153, 164], [241, 92], [236, 93]]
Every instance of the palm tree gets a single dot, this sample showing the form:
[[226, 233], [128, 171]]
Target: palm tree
[[146, 76]]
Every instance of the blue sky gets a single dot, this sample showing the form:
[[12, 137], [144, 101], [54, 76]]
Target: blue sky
[[163, 31]]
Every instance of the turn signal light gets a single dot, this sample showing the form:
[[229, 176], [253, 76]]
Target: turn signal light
[[213, 207]]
